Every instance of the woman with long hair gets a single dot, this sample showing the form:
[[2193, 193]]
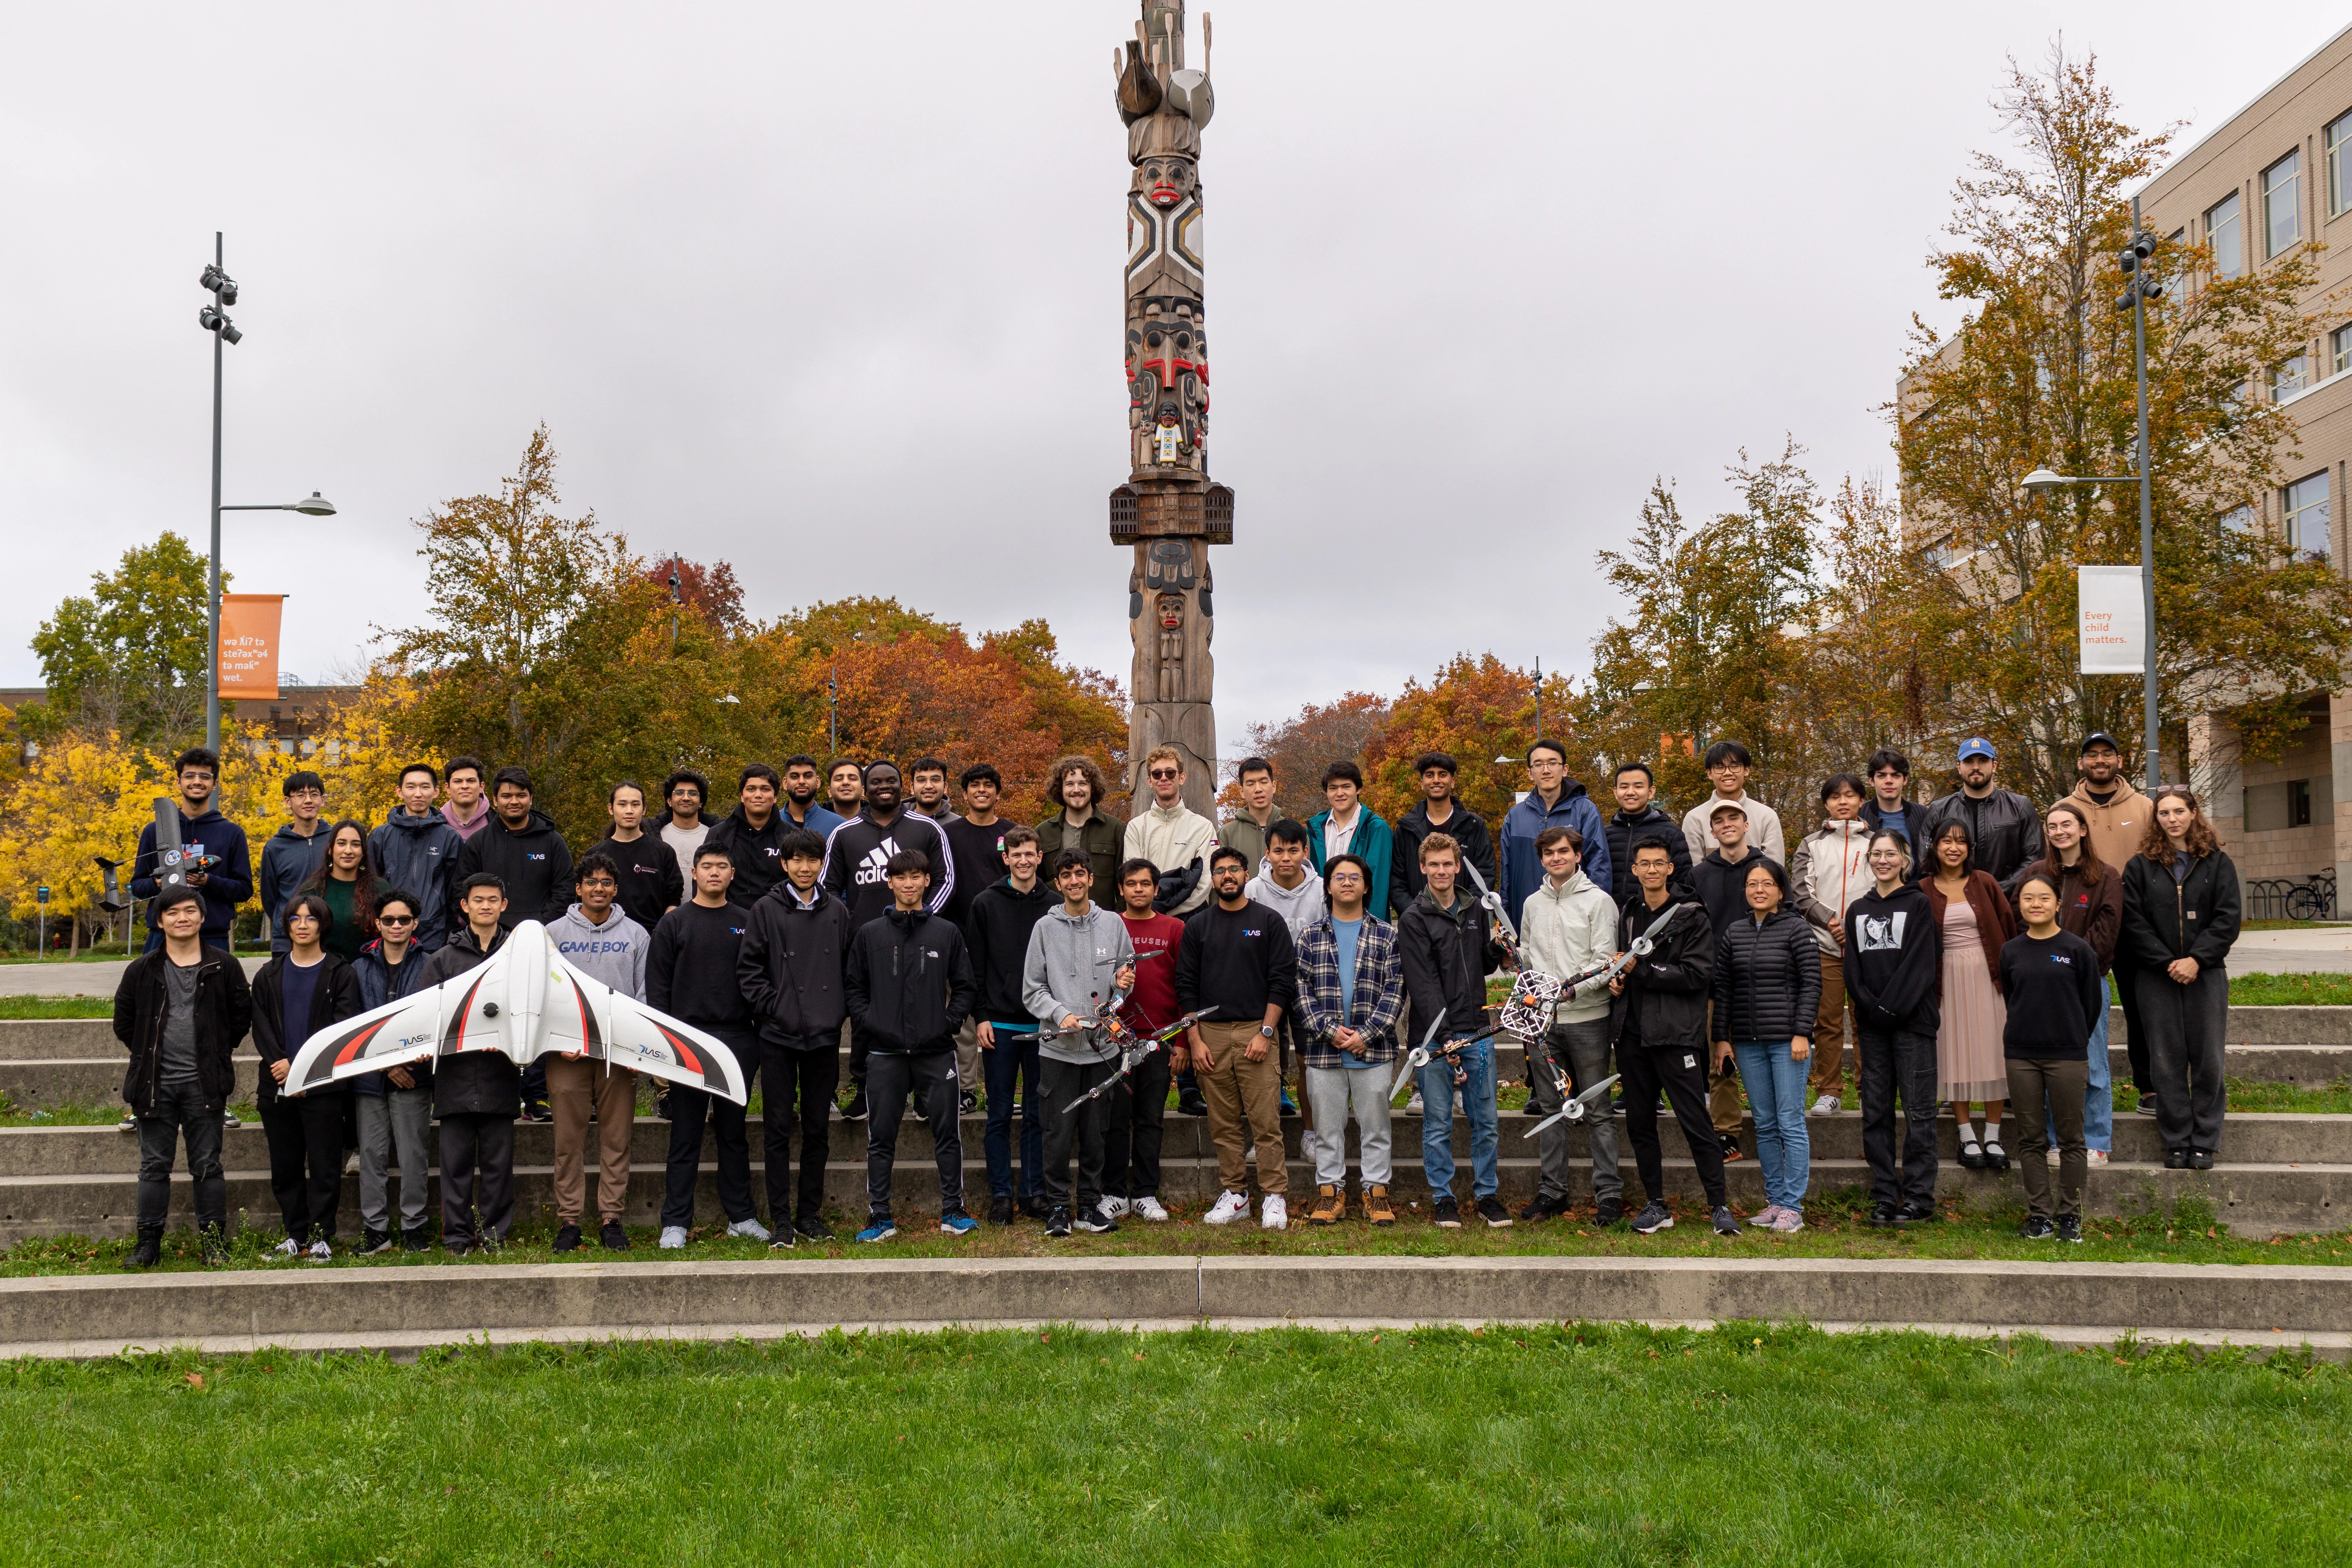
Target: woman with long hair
[[2091, 906], [1975, 921], [348, 883], [1893, 970], [2181, 910]]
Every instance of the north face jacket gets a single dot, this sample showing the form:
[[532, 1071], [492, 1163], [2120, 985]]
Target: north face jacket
[[417, 854], [909, 982]]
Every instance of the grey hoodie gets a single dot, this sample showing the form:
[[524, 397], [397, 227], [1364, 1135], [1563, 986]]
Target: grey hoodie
[[1069, 968], [1299, 907], [613, 953]]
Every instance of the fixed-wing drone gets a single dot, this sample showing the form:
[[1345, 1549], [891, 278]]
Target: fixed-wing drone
[[523, 1000]]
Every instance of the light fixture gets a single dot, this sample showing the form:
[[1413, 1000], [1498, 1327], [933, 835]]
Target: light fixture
[[315, 506]]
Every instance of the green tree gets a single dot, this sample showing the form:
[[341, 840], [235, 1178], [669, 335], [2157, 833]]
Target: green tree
[[128, 656]]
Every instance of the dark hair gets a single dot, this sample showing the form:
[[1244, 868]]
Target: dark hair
[[979, 772], [482, 880], [1286, 830], [1558, 834], [928, 765], [799, 844], [320, 909], [620, 784], [1335, 772], [1345, 858], [306, 779], [1756, 863], [203, 757], [1098, 786], [1131, 865], [466, 764], [391, 896], [1648, 841], [868, 770], [706, 850], [906, 861], [800, 759], [1635, 767], [2094, 870], [1883, 758], [685, 775], [425, 768], [838, 763], [1249, 766], [1224, 852], [759, 771], [1544, 744], [1837, 782], [595, 861], [364, 886], [2038, 874], [1724, 751], [518, 777], [1428, 759], [1071, 859], [1967, 861], [1017, 835], [2157, 844]]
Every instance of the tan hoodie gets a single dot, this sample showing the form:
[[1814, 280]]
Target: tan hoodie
[[2118, 826]]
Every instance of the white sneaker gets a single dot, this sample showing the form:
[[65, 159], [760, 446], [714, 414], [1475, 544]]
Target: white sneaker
[[750, 1227], [2053, 1159], [352, 1163], [1826, 1105], [1276, 1213], [323, 1251], [673, 1237], [289, 1247], [2098, 1156], [1229, 1206], [1116, 1208], [1147, 1208], [1412, 1106]]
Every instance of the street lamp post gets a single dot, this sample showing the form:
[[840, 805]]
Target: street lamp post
[[214, 318]]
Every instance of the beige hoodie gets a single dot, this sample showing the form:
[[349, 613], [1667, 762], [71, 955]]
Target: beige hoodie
[[1172, 838], [2116, 827]]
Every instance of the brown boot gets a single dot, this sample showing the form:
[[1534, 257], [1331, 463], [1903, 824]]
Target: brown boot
[[1330, 1205], [1376, 1204]]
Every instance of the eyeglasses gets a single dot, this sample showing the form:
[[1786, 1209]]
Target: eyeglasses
[[396, 919], [1163, 773]]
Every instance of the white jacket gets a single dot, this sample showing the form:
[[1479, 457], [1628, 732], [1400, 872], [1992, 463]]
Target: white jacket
[[1565, 930], [1172, 839], [1830, 871]]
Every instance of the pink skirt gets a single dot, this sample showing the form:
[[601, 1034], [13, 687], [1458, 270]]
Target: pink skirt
[[1970, 1064]]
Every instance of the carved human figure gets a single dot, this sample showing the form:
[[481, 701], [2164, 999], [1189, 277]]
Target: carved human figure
[[1171, 647]]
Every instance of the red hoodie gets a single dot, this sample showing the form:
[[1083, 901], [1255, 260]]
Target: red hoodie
[[1152, 1007]]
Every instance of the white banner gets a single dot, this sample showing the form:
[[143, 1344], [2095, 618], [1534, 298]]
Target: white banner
[[2113, 622]]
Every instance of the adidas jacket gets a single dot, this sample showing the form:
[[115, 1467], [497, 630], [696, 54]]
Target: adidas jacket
[[857, 852]]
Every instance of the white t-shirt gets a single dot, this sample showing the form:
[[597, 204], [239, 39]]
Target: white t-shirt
[[684, 842]]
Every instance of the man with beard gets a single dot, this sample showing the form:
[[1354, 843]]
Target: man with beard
[[802, 780]]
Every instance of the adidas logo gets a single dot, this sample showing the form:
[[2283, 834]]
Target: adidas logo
[[874, 867]]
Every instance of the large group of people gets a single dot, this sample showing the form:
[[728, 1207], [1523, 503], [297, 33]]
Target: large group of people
[[950, 958]]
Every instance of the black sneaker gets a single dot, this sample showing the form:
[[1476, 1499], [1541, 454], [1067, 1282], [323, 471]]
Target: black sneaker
[[999, 1211], [968, 1103], [567, 1239], [537, 1111], [611, 1237], [2175, 1159], [1491, 1210], [1542, 1209], [1448, 1214], [661, 1106], [2201, 1159], [855, 1110], [413, 1240], [2036, 1228], [2147, 1105], [1288, 1108], [1729, 1143], [148, 1253], [373, 1242], [1653, 1218], [1608, 1212], [1916, 1214], [813, 1228], [1094, 1221], [1882, 1216], [2069, 1229], [1035, 1206], [1057, 1223], [1191, 1104], [1726, 1224], [783, 1238]]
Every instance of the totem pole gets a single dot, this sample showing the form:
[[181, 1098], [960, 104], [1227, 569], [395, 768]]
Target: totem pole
[[1168, 512]]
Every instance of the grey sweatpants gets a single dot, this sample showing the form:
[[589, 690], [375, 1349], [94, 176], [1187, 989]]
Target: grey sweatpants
[[1336, 1094], [397, 1121], [1583, 1050]]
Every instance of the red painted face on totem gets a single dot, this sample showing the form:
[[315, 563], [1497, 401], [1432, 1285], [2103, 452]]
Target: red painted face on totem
[[1167, 181]]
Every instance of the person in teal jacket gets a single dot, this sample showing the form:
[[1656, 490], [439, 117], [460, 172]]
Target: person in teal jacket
[[1361, 832]]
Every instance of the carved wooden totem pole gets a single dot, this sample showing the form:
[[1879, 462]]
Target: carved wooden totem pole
[[1168, 512]]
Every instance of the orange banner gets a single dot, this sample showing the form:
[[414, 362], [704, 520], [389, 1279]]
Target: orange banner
[[248, 645]]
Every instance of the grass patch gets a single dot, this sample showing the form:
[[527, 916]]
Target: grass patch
[[56, 1007], [2291, 990], [1290, 1446]]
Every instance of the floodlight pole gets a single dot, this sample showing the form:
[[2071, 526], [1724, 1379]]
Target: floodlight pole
[[2154, 750]]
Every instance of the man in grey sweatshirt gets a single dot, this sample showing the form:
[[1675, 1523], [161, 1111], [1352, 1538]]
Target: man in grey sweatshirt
[[1078, 962], [595, 937]]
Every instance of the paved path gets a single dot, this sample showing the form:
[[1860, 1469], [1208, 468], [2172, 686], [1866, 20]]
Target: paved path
[[98, 979]]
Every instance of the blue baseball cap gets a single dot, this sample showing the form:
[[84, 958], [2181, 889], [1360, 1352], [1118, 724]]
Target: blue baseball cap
[[1977, 746]]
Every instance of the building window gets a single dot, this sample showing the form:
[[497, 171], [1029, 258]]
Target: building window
[[2306, 514], [2222, 234], [2339, 142], [2339, 351], [2274, 807], [2240, 520], [2282, 204], [2290, 376]]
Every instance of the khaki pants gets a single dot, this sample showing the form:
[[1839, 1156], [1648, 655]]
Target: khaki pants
[[572, 1087], [1828, 1028], [1245, 1098]]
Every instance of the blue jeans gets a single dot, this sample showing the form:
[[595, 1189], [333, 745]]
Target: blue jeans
[[1437, 1122], [2098, 1097], [1014, 1055], [1775, 1081]]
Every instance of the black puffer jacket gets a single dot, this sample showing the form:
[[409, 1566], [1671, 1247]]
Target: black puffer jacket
[[224, 1011], [2196, 918], [909, 983], [792, 963], [1669, 984], [1768, 978], [1624, 829]]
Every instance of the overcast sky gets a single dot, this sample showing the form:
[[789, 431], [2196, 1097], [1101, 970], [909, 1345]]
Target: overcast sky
[[833, 293]]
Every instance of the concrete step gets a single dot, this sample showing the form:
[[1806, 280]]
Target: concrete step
[[412, 1306], [43, 1083], [2255, 1137], [2253, 1199]]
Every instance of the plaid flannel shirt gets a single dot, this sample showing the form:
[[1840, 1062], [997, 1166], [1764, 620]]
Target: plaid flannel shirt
[[1380, 993]]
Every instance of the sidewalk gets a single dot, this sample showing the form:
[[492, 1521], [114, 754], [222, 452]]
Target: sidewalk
[[98, 979]]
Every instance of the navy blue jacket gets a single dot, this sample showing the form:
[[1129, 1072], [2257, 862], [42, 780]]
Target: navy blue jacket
[[419, 855], [381, 983], [287, 860], [1523, 869], [228, 884]]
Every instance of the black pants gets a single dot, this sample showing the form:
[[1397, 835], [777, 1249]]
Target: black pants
[[2185, 1027], [2134, 1038], [476, 1177], [1060, 1083], [798, 1080], [1681, 1072], [856, 1055], [306, 1160], [689, 1109], [176, 1112], [930, 1077], [1897, 1064], [1132, 1140]]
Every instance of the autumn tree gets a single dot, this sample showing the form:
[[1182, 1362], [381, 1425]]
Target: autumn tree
[[128, 658], [1476, 708], [2041, 375], [1302, 745]]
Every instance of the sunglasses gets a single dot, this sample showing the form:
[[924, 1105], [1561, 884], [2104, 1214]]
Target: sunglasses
[[396, 919], [1163, 773]]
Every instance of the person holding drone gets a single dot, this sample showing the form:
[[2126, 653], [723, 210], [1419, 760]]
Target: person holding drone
[[1567, 926], [1079, 965]]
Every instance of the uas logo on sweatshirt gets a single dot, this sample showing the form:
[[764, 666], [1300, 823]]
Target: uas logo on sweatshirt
[[1872, 934]]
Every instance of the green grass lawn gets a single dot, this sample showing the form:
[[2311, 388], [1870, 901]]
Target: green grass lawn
[[2290, 990], [56, 1007], [1583, 1443]]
